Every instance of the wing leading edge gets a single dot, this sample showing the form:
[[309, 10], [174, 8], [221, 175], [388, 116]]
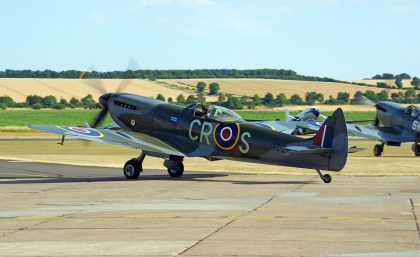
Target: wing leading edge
[[116, 137], [383, 134]]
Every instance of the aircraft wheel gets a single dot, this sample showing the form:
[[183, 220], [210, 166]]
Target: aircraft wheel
[[326, 178], [132, 169], [377, 150], [176, 173], [416, 149]]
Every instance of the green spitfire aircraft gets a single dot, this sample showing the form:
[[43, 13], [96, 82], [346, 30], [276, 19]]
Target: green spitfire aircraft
[[174, 132]]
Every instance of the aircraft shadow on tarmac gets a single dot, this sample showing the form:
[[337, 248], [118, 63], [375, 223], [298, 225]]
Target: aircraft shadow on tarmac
[[203, 177]]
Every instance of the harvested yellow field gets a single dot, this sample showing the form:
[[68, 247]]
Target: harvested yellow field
[[19, 89], [250, 87]]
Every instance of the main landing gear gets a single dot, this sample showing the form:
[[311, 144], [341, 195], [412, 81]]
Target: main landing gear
[[175, 166], [134, 167], [325, 177], [416, 149], [378, 149]]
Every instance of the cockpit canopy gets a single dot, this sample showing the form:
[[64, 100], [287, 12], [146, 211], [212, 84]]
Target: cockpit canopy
[[310, 113], [214, 112], [220, 113], [413, 111]]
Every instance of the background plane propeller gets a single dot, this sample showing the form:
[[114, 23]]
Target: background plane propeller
[[363, 100]]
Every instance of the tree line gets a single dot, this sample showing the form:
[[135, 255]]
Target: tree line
[[398, 83], [38, 102], [410, 96], [165, 74], [388, 76]]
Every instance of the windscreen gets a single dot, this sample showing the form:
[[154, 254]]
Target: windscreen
[[222, 114]]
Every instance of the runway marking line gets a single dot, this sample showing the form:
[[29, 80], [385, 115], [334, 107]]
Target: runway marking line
[[178, 218]]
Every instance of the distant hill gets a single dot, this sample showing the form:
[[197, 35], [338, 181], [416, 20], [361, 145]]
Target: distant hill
[[166, 74]]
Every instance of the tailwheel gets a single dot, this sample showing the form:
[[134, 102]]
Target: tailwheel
[[416, 149], [325, 177], [132, 169], [378, 149], [176, 172]]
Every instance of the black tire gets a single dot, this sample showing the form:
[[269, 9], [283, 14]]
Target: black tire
[[327, 178], [377, 150], [176, 173], [132, 169]]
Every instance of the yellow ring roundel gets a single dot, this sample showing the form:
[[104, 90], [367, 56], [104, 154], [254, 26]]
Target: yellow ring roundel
[[226, 135]]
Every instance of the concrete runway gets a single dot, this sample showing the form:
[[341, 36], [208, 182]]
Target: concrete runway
[[59, 210]]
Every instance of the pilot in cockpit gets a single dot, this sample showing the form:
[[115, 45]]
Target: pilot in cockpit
[[413, 111], [200, 110]]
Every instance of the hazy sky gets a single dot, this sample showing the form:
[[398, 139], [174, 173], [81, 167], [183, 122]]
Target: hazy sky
[[343, 39]]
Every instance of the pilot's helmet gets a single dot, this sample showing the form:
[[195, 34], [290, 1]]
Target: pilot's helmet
[[316, 111], [211, 110], [409, 109]]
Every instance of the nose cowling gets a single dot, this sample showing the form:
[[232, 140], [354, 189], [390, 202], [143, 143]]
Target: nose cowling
[[103, 100]]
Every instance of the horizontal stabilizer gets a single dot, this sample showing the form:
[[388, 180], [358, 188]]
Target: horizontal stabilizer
[[359, 121], [294, 151], [355, 149]]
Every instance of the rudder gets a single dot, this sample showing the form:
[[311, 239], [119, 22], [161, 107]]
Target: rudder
[[333, 135]]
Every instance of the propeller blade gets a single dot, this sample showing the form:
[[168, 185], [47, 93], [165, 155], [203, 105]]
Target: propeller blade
[[363, 100], [100, 117], [90, 78], [132, 66]]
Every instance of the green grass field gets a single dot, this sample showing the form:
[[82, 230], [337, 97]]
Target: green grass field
[[79, 117], [272, 115], [47, 117]]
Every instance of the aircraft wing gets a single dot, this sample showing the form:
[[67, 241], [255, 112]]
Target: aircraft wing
[[383, 134], [312, 125], [113, 136], [280, 126]]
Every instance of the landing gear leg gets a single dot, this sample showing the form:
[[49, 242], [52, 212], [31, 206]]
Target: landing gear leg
[[325, 177], [175, 166], [416, 149], [134, 167], [378, 149]]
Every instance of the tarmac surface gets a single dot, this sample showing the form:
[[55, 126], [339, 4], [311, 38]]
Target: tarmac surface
[[61, 210]]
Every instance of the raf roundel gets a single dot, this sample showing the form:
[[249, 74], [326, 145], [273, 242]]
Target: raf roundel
[[226, 135], [83, 131]]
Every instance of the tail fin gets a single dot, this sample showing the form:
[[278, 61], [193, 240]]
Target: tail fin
[[324, 136], [333, 135], [327, 150], [288, 117]]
